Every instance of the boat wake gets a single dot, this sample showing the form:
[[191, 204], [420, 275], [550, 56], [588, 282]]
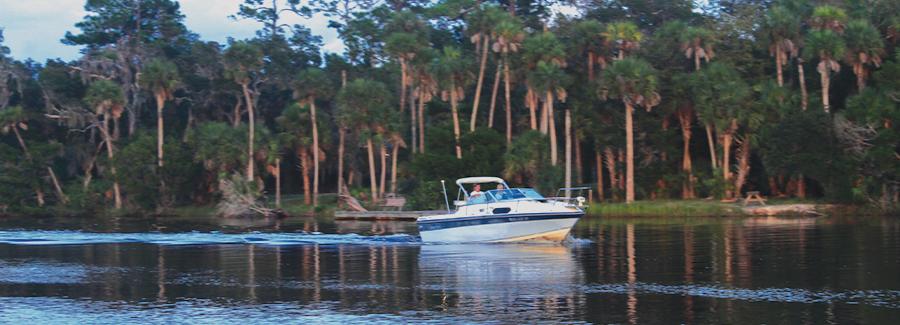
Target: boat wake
[[66, 237]]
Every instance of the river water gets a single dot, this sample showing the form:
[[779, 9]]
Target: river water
[[314, 270]]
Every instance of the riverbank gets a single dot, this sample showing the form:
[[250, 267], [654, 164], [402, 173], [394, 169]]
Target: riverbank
[[714, 208]]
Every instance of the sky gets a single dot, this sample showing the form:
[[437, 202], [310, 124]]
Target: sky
[[33, 28]]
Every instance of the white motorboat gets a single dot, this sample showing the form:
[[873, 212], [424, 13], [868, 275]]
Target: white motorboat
[[502, 215]]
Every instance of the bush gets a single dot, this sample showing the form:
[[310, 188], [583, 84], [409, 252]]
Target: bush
[[145, 184]]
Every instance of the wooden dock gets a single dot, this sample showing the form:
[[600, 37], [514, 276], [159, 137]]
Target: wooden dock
[[384, 215]]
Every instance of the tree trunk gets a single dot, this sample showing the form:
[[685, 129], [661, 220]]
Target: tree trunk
[[59, 192], [453, 104], [373, 182], [484, 55], [383, 160], [611, 167], [88, 175], [402, 84], [685, 119], [743, 166], [801, 186], [779, 62], [38, 192], [532, 102], [315, 137], [804, 95], [304, 172], [278, 182], [340, 180], [112, 168], [568, 127], [494, 91], [826, 86], [117, 132], [860, 72], [599, 162], [590, 65], [712, 146], [545, 116], [236, 115], [508, 103], [579, 163], [413, 124], [421, 122], [160, 103], [551, 124], [696, 62], [629, 153], [252, 121], [621, 158], [395, 151], [727, 138], [773, 187]]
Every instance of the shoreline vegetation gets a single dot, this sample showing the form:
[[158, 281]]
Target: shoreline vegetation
[[675, 209], [655, 106]]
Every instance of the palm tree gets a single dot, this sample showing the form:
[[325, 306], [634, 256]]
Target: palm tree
[[720, 93], [425, 86], [783, 29], [549, 79], [160, 77], [588, 39], [625, 35], [543, 55], [243, 61], [451, 70], [633, 81], [697, 43], [508, 35], [827, 46], [480, 24], [312, 84], [108, 101], [828, 17], [407, 35], [295, 126], [864, 47], [362, 106]]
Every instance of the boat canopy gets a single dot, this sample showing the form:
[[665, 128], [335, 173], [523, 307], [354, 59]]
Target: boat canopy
[[477, 180]]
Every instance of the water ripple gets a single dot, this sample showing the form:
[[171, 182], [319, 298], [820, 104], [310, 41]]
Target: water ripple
[[880, 298], [64, 237]]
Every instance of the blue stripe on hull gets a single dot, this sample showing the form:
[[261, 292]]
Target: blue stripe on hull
[[485, 220]]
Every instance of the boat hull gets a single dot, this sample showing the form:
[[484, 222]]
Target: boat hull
[[512, 228]]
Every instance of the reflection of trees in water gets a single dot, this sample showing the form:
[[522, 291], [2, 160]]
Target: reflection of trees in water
[[738, 253], [477, 282]]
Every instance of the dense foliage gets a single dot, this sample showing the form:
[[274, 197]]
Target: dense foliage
[[664, 99]]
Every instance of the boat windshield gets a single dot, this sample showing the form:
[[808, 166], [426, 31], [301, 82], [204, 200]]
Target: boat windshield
[[530, 193], [514, 194], [505, 195]]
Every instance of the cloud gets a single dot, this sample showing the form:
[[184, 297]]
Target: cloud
[[33, 29]]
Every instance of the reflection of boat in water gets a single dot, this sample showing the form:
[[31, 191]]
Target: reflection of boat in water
[[502, 215], [486, 269]]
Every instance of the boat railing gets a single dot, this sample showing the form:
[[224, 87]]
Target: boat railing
[[572, 196]]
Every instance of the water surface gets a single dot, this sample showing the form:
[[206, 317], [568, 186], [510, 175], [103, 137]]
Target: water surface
[[313, 270]]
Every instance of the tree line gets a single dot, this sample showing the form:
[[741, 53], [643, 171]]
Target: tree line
[[792, 98]]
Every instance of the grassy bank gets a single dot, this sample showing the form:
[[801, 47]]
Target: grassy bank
[[689, 208], [715, 208]]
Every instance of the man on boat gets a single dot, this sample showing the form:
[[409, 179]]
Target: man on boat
[[476, 191]]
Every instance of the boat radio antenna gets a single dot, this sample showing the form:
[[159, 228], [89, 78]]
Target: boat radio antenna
[[446, 201]]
